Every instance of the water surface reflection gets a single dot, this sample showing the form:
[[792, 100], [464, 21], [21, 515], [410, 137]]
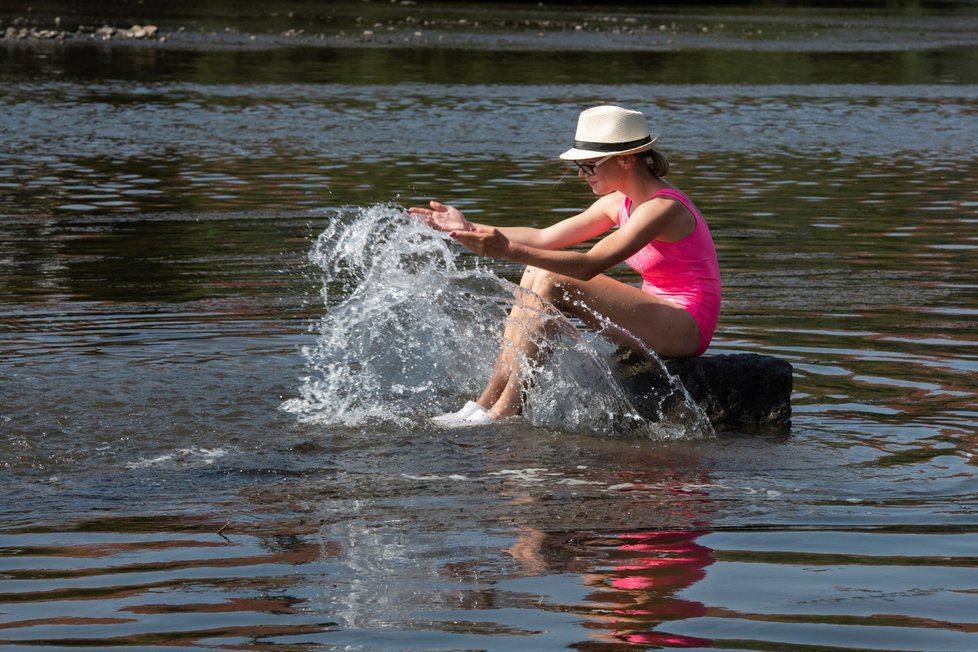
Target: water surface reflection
[[158, 209]]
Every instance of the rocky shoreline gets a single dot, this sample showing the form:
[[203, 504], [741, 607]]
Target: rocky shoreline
[[406, 31], [531, 31], [103, 33]]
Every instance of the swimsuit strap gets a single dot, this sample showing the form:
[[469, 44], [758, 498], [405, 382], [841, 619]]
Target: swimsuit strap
[[624, 212], [679, 196]]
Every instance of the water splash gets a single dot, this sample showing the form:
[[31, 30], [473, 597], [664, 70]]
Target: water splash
[[412, 327], [407, 328]]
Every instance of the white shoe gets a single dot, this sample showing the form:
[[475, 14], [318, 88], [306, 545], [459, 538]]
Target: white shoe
[[457, 418], [478, 418]]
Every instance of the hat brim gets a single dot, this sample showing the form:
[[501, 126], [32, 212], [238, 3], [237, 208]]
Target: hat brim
[[575, 154]]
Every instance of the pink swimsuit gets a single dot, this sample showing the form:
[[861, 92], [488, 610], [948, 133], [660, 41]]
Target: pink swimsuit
[[685, 272]]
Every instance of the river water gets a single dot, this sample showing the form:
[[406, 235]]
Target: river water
[[221, 337]]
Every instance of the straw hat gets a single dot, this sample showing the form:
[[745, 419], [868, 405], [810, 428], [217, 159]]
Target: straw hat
[[606, 130]]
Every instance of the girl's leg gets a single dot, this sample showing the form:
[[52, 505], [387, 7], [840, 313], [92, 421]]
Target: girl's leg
[[522, 336], [665, 328], [659, 324]]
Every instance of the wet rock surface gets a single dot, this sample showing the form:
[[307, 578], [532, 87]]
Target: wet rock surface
[[744, 392]]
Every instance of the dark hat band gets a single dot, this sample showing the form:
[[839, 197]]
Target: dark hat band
[[611, 147]]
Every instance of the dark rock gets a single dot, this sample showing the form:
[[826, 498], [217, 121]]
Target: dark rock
[[744, 392]]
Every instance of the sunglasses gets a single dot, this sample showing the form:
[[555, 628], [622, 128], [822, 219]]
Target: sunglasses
[[588, 168]]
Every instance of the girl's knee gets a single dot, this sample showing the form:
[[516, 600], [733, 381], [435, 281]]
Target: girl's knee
[[552, 287], [530, 274], [539, 281]]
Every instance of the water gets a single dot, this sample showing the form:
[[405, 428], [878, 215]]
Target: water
[[195, 246]]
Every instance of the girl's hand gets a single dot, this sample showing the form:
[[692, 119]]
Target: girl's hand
[[484, 241], [442, 217]]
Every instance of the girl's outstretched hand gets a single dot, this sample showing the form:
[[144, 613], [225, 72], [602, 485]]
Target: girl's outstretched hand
[[484, 241], [442, 217]]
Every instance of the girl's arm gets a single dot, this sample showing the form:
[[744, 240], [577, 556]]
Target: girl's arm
[[584, 226], [658, 218]]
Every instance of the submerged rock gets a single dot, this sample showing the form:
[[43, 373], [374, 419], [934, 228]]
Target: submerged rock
[[744, 392]]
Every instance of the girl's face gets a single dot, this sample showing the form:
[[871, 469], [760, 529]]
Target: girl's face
[[588, 168], [601, 180]]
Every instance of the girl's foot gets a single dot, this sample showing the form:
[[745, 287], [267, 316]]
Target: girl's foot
[[468, 410]]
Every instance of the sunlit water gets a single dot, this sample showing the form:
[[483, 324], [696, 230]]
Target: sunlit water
[[221, 338]]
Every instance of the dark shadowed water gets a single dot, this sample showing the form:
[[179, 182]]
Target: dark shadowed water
[[221, 338]]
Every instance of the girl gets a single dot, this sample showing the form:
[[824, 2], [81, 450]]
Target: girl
[[659, 233]]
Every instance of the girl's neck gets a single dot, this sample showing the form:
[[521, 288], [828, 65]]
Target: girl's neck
[[641, 185]]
